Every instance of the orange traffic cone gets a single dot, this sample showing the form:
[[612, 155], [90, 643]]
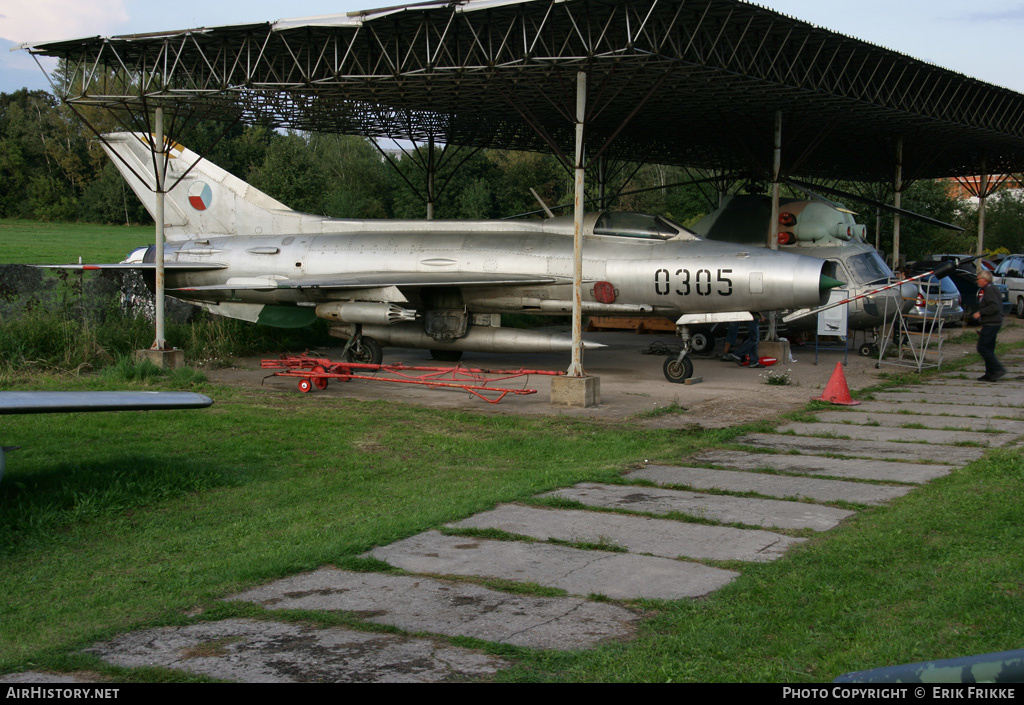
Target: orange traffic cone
[[836, 390]]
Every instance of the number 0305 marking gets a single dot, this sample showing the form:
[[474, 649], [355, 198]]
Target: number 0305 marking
[[684, 282]]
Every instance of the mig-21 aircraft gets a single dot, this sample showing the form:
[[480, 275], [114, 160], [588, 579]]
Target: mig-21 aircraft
[[441, 285]]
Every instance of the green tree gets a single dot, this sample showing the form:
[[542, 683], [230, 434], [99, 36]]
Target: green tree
[[358, 182], [292, 174], [1004, 221], [108, 199], [515, 173]]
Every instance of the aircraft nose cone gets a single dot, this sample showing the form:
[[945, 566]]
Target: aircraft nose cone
[[826, 282]]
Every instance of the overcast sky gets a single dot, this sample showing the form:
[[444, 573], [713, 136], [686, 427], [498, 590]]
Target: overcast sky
[[981, 41]]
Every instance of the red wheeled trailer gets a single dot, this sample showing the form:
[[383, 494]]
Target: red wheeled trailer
[[317, 371]]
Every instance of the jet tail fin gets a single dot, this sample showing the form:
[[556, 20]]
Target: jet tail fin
[[207, 201]]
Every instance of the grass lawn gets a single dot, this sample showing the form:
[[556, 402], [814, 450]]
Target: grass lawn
[[34, 242], [114, 522]]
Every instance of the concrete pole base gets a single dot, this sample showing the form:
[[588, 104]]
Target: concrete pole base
[[579, 392], [173, 359], [779, 349]]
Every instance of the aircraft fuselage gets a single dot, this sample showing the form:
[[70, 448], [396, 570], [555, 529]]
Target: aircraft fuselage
[[644, 277]]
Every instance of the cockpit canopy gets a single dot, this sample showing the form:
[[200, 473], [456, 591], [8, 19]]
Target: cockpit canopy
[[640, 225]]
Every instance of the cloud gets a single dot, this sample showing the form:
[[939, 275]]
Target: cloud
[[46, 20], [1014, 14], [19, 70]]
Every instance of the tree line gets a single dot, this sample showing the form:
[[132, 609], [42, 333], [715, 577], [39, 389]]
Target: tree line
[[52, 168]]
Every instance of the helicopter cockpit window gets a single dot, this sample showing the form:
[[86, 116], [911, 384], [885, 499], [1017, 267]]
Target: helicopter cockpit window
[[869, 268], [639, 225]]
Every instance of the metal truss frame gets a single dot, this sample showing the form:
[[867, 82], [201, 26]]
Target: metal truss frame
[[694, 83]]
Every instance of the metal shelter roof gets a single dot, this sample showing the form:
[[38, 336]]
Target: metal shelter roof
[[685, 82]]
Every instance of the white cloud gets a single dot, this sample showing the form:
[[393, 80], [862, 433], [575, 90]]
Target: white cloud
[[46, 20]]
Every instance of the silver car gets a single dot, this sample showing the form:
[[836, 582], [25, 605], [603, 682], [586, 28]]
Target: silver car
[[937, 298], [1011, 273]]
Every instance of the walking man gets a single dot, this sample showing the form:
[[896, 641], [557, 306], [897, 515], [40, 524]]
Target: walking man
[[990, 316]]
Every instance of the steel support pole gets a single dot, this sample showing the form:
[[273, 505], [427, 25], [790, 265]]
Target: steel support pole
[[430, 178], [896, 201], [878, 228], [576, 367], [773, 224], [982, 197], [159, 156]]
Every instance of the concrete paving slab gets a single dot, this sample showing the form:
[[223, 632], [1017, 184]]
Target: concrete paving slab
[[906, 408], [886, 450], [658, 537], [860, 469], [970, 385], [770, 485], [934, 395], [855, 416], [620, 576], [418, 604], [1000, 393], [970, 373], [251, 651], [903, 435], [769, 513]]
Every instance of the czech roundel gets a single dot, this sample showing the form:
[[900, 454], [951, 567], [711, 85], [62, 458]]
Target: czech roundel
[[200, 196]]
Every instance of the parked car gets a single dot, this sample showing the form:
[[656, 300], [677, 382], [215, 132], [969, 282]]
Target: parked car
[[965, 280], [937, 297], [1010, 273], [988, 263]]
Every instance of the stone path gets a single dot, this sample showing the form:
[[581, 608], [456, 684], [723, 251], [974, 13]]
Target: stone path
[[686, 536]]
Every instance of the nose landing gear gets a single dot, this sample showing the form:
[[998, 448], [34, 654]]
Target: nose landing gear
[[680, 368]]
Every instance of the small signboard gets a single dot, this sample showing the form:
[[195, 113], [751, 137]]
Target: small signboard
[[833, 321]]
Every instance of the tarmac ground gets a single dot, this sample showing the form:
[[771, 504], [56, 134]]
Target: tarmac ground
[[631, 379]]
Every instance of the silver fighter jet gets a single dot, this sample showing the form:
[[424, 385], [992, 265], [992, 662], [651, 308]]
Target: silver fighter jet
[[442, 285]]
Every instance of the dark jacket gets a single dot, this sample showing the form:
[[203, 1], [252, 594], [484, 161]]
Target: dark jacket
[[990, 306]]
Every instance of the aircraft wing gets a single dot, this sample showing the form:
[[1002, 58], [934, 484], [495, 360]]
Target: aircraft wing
[[179, 266], [59, 402], [63, 402], [373, 280]]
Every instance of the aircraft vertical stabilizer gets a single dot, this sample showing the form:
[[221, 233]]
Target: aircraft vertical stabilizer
[[208, 200]]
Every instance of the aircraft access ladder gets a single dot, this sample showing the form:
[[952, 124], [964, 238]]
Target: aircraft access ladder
[[911, 339]]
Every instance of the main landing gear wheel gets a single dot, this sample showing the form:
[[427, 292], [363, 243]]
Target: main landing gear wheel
[[676, 370], [868, 350], [446, 355], [366, 351], [702, 342]]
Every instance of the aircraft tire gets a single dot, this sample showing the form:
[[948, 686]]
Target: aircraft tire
[[678, 372], [369, 352], [702, 342], [867, 350], [446, 355]]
